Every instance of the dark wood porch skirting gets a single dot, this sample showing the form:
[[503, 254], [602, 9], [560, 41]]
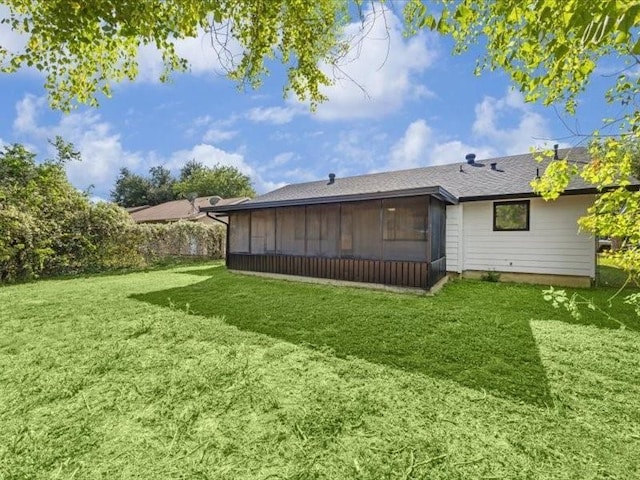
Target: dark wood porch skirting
[[386, 272]]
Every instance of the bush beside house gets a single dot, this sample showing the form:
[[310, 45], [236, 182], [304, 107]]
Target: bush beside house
[[157, 241], [49, 228]]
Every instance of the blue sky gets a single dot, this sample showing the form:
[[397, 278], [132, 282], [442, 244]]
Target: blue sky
[[422, 107]]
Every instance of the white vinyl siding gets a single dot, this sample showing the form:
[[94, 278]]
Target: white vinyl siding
[[454, 238], [552, 245]]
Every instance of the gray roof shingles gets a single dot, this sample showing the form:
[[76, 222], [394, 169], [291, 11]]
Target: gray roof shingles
[[512, 176]]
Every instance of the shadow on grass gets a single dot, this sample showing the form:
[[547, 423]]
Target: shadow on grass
[[467, 334]]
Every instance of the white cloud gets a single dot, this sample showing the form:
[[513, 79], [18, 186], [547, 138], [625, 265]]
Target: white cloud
[[503, 126], [27, 111], [283, 158], [492, 115], [12, 41], [411, 150], [314, 134], [216, 135], [150, 66], [356, 150], [274, 167], [102, 151], [421, 146], [275, 115], [198, 51], [202, 121], [282, 136], [211, 156], [215, 129], [200, 54], [377, 76], [453, 151]]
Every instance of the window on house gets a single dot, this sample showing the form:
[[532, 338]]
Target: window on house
[[511, 216]]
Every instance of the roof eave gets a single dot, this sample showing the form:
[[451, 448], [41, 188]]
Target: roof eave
[[435, 191], [574, 191], [509, 196]]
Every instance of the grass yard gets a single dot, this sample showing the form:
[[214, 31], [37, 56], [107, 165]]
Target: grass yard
[[193, 372], [611, 276]]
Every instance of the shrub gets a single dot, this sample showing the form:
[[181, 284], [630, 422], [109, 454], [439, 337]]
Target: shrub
[[115, 242], [161, 240], [490, 276], [47, 227], [23, 246]]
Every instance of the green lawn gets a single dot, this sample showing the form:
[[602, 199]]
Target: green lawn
[[611, 276], [193, 372]]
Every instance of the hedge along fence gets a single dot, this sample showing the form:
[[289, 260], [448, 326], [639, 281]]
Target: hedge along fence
[[161, 240], [98, 246]]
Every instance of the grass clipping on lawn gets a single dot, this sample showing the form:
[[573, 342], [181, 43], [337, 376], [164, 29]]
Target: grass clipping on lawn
[[197, 373]]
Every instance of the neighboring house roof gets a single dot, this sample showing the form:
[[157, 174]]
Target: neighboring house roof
[[135, 209], [181, 209], [454, 182]]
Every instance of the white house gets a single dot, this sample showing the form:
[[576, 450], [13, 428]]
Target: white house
[[550, 249], [411, 227]]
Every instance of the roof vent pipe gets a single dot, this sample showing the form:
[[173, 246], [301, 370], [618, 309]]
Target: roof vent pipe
[[332, 178], [470, 158], [494, 166], [555, 152]]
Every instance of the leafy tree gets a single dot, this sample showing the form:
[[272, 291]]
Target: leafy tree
[[131, 189], [83, 47], [191, 168], [550, 49], [222, 180], [160, 185], [48, 227], [616, 211], [634, 150], [24, 245]]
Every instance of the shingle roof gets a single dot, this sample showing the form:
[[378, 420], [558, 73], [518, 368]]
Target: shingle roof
[[511, 177], [135, 209], [180, 209]]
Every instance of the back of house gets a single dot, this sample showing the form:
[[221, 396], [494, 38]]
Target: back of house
[[410, 227]]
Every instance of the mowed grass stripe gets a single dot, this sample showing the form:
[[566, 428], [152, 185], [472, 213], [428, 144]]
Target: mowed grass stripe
[[116, 377]]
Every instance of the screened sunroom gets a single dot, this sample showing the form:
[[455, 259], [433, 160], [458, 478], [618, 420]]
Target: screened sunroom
[[392, 241]]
